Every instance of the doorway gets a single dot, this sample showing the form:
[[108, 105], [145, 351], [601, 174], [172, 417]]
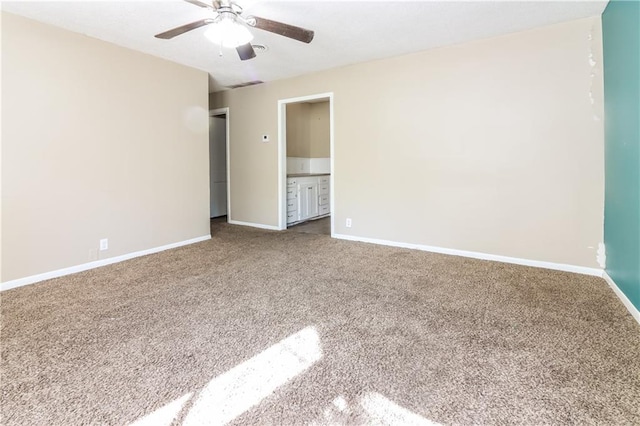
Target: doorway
[[299, 200], [218, 163]]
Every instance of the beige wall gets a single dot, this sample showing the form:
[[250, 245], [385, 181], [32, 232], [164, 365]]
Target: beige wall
[[98, 141], [490, 146], [319, 130], [308, 130], [1, 198], [298, 127]]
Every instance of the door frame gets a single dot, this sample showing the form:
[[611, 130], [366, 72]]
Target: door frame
[[214, 113], [282, 155]]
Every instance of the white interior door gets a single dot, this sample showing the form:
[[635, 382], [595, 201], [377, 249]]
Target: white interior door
[[218, 164]]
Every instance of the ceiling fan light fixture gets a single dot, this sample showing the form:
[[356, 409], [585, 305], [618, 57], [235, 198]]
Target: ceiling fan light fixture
[[228, 33]]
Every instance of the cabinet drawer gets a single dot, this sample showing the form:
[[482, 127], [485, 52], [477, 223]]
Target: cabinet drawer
[[292, 192], [292, 216], [323, 209], [323, 199], [323, 180], [323, 189], [292, 181], [292, 205]]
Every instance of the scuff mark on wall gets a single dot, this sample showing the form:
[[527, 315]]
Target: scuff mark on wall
[[594, 98], [601, 256]]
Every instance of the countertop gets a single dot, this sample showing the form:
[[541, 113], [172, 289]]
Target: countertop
[[289, 175]]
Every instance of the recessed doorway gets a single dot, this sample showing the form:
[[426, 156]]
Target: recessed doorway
[[305, 165], [218, 163]]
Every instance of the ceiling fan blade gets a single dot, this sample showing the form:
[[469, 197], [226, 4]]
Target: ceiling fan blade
[[246, 51], [286, 30], [184, 28], [200, 3]]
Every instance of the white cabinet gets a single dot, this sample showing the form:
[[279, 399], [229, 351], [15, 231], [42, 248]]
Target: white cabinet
[[323, 196], [292, 200], [307, 198]]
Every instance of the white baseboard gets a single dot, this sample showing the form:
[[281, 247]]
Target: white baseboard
[[623, 298], [95, 264], [254, 225], [476, 255]]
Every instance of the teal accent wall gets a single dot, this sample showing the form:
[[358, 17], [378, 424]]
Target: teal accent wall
[[621, 47]]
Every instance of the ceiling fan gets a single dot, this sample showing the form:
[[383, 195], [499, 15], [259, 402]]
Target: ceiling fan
[[229, 27]]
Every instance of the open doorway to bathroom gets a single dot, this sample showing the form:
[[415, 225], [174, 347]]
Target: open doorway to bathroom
[[306, 164]]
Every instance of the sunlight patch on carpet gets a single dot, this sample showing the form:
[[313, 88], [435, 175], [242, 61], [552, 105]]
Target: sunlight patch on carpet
[[382, 410], [246, 385], [370, 409], [164, 415]]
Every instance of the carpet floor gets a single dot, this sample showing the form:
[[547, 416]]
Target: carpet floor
[[264, 327]]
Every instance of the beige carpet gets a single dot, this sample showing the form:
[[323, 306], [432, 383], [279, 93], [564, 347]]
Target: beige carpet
[[260, 327]]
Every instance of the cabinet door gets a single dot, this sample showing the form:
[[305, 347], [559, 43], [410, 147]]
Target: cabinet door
[[313, 200], [308, 204]]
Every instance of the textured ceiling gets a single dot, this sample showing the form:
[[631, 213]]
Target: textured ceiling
[[346, 32]]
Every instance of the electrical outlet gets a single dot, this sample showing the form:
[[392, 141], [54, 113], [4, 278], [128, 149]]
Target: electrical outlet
[[348, 222], [104, 244]]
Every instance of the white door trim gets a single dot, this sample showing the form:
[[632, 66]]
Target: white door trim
[[213, 113], [282, 155]]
